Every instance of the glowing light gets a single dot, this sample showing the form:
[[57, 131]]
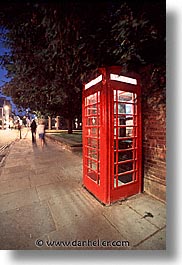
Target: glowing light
[[6, 107], [93, 82], [123, 79]]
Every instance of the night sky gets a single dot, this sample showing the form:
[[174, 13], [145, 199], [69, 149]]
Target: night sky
[[3, 72]]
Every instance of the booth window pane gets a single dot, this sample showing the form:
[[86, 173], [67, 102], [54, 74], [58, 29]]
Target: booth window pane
[[125, 179], [92, 115], [92, 164], [93, 175], [126, 155], [125, 128], [93, 153]]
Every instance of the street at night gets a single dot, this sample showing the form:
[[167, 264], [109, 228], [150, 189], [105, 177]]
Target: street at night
[[83, 125]]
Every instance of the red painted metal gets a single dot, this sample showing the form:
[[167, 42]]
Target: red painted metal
[[112, 145]]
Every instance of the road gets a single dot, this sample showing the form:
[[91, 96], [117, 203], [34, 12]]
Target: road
[[8, 136]]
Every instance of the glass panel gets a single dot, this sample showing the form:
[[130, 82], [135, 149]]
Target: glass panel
[[126, 155], [92, 121], [92, 112], [125, 144], [92, 174], [125, 123], [125, 179], [92, 142], [125, 167], [129, 120], [92, 99], [124, 96], [129, 108], [129, 131], [92, 164], [93, 131], [121, 130], [92, 109], [121, 108], [92, 153]]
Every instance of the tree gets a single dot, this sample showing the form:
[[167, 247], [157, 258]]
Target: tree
[[55, 45], [139, 34], [43, 60]]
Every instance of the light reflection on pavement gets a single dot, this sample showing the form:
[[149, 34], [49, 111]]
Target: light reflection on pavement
[[8, 136]]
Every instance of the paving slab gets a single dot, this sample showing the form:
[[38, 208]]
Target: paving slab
[[149, 208], [48, 170], [72, 207], [14, 185], [154, 242], [15, 169], [16, 175], [22, 226], [13, 161], [18, 199], [81, 219], [130, 224], [85, 235], [43, 179], [45, 192]]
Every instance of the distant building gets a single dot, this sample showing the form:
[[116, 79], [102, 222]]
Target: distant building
[[5, 112]]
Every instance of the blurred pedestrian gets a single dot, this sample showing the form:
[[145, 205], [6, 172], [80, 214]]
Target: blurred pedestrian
[[19, 127], [41, 132], [33, 127]]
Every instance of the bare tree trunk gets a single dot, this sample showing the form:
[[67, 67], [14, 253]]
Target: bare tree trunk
[[50, 123], [70, 127]]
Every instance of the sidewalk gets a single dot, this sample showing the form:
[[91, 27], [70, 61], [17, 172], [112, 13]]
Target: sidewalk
[[43, 203]]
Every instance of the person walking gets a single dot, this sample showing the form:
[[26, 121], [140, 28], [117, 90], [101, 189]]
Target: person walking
[[19, 127], [41, 132], [33, 127]]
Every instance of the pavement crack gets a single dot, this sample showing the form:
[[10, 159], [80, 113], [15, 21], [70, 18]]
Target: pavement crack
[[147, 214], [112, 225], [160, 229]]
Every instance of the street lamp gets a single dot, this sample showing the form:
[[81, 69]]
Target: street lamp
[[2, 118], [6, 107], [6, 115]]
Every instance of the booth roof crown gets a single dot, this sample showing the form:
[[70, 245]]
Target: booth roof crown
[[114, 77]]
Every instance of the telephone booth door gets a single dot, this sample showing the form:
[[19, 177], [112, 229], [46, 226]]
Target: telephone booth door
[[112, 136], [91, 140]]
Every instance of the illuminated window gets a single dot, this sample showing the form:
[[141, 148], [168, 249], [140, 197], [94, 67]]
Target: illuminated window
[[93, 82], [123, 79]]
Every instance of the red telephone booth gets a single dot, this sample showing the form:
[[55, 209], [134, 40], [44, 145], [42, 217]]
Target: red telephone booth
[[112, 143]]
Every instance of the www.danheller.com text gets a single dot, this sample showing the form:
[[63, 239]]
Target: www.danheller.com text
[[81, 243]]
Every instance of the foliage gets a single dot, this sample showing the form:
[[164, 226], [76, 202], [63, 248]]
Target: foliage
[[139, 42], [45, 76], [55, 45]]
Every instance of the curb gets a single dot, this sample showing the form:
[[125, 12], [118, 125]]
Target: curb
[[70, 146]]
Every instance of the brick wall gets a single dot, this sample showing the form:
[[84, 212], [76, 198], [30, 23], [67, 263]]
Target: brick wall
[[154, 144]]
